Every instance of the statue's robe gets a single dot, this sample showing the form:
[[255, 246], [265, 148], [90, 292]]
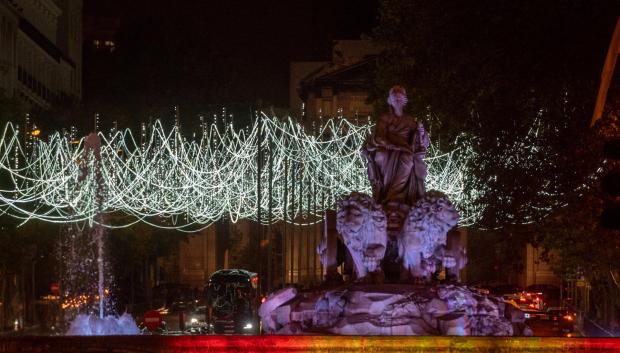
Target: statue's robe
[[395, 155]]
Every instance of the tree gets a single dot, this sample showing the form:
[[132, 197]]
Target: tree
[[515, 82], [576, 241], [512, 79], [27, 264], [133, 251]]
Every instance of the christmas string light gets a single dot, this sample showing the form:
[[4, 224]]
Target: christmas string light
[[168, 181]]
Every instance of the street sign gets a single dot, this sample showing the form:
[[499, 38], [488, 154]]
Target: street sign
[[55, 288]]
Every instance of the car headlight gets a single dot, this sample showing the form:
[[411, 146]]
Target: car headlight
[[248, 326]]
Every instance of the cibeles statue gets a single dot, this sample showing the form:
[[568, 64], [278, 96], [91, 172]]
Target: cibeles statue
[[404, 233], [395, 153], [413, 223]]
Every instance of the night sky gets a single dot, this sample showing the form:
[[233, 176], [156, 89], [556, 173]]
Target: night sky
[[199, 53]]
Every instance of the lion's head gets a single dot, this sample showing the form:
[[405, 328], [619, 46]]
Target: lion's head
[[362, 225], [425, 229]]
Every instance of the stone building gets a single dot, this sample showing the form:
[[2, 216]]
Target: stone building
[[336, 87], [41, 52]]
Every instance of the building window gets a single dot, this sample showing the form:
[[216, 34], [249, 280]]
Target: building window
[[108, 45]]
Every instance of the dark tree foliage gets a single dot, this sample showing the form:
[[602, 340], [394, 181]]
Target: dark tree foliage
[[514, 80], [575, 240], [27, 266], [132, 252]]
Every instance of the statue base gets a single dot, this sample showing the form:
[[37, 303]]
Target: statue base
[[391, 309]]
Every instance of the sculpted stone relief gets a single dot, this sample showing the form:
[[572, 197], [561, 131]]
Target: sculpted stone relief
[[362, 225], [424, 234], [395, 152], [400, 226], [414, 223]]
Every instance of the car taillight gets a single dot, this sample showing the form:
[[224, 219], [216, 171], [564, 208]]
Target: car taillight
[[568, 317]]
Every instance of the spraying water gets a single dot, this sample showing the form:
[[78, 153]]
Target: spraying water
[[85, 324]]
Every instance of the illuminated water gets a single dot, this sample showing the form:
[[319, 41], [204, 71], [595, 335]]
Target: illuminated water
[[93, 325]]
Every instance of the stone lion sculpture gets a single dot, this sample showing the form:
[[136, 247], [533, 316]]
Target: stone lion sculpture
[[424, 231], [361, 224], [453, 255]]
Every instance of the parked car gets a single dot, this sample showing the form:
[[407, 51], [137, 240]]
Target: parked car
[[550, 292], [178, 317], [197, 323], [532, 304], [563, 318], [531, 301]]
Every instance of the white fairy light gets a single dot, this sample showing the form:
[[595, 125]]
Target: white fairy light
[[168, 181]]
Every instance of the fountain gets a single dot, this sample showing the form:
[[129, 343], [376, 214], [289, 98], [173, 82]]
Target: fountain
[[397, 240], [93, 325], [101, 324]]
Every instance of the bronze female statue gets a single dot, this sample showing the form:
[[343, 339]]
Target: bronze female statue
[[395, 152]]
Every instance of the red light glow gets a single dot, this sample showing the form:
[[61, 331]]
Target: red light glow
[[386, 344], [302, 344]]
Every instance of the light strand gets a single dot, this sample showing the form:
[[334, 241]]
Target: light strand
[[168, 181]]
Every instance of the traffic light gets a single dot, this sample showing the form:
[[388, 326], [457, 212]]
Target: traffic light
[[610, 218]]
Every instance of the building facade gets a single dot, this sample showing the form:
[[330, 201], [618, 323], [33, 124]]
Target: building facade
[[9, 19], [338, 87], [285, 255], [536, 269], [41, 52]]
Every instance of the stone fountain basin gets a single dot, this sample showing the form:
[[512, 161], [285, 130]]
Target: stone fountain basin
[[391, 309]]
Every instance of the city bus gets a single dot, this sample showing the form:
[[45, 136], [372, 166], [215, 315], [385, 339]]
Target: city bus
[[233, 298]]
